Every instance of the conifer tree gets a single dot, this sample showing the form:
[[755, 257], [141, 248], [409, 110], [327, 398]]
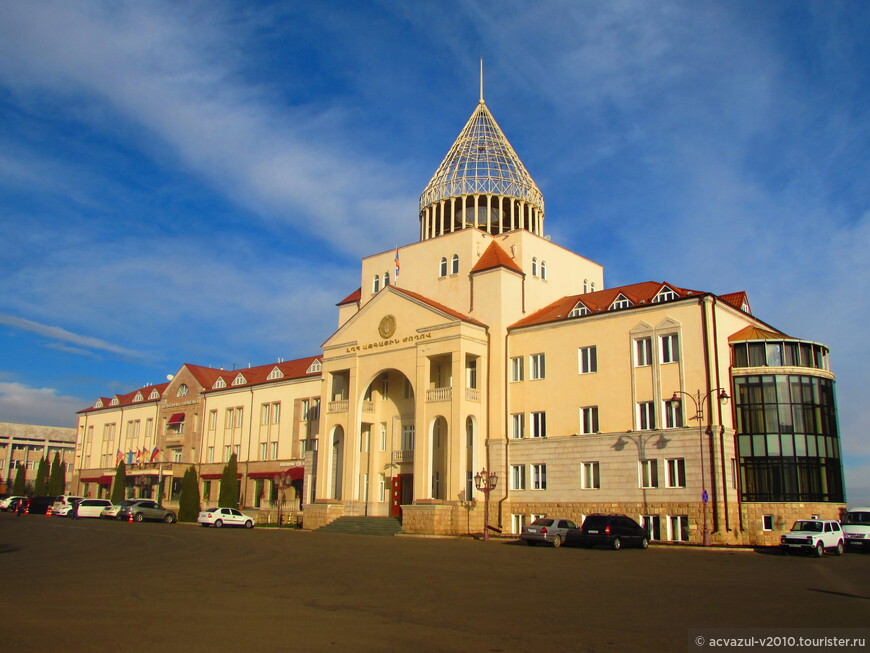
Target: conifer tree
[[18, 486], [188, 502], [56, 478], [229, 494], [40, 486], [119, 485]]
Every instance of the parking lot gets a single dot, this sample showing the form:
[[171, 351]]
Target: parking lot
[[94, 585]]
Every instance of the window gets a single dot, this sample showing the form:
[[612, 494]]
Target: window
[[579, 310], [471, 373], [376, 284], [643, 352], [212, 420], [675, 475], [536, 367], [665, 295], [239, 412], [236, 449], [517, 369], [264, 449], [518, 477], [385, 387], [454, 264], [534, 266], [589, 420], [274, 451], [442, 267], [670, 348], [646, 415], [517, 523], [652, 524], [649, 473], [240, 380], [386, 279], [383, 446], [544, 270], [539, 477], [210, 457], [767, 522], [679, 527], [588, 359], [585, 286], [229, 418], [176, 455], [517, 425], [538, 424], [182, 390], [382, 487], [620, 302], [227, 453], [276, 373], [407, 437], [590, 478], [276, 412], [673, 414], [206, 490], [265, 409]]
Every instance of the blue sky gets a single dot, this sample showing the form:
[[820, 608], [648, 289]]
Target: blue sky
[[197, 181]]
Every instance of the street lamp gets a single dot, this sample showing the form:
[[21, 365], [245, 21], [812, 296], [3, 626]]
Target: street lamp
[[485, 482], [699, 400]]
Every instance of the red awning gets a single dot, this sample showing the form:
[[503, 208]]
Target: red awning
[[293, 473], [102, 480], [177, 418], [214, 476]]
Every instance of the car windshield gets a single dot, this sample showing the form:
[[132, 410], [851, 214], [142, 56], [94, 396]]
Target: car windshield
[[540, 521], [128, 502], [809, 526], [862, 518]]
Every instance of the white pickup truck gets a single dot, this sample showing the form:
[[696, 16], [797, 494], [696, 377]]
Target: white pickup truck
[[814, 536]]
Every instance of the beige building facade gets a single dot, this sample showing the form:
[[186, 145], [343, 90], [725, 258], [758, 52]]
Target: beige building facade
[[485, 346], [24, 445]]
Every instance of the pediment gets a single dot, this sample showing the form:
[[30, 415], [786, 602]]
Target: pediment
[[667, 323], [642, 327]]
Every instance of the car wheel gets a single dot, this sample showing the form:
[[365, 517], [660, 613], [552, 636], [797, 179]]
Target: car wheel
[[169, 519], [531, 542], [218, 524], [644, 543], [557, 542], [138, 517], [249, 524], [616, 545], [839, 550], [820, 550]]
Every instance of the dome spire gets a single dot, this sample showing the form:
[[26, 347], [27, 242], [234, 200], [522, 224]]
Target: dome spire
[[481, 184]]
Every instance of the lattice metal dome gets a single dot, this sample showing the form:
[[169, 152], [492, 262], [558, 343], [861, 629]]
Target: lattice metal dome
[[483, 162]]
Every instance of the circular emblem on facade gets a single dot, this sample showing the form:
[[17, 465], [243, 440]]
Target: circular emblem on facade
[[387, 327]]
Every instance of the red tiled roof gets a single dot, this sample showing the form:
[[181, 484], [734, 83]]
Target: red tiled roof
[[439, 307], [127, 399], [351, 298], [737, 300], [495, 257], [601, 300], [295, 369]]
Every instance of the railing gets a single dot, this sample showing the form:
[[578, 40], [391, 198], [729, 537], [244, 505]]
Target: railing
[[472, 394], [368, 406], [403, 456], [339, 406], [439, 394]]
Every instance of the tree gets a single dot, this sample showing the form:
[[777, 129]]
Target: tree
[[18, 486], [40, 486], [188, 502], [56, 478], [119, 485], [229, 495]]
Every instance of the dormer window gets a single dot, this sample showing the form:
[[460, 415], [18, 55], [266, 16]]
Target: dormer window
[[620, 302], [316, 366], [454, 264], [275, 374], [154, 394], [98, 403], [534, 266], [665, 295], [114, 401], [376, 284], [442, 267], [240, 380], [138, 397], [182, 390], [579, 310], [220, 383]]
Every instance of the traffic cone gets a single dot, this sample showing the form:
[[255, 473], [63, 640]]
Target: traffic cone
[[130, 519]]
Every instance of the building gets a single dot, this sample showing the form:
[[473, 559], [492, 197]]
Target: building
[[484, 345], [24, 445]]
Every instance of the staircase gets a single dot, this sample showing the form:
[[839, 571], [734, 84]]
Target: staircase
[[384, 526]]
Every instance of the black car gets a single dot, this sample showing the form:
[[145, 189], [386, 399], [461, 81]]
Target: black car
[[40, 505], [612, 530]]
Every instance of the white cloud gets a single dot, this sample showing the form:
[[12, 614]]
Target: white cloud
[[62, 335], [21, 404]]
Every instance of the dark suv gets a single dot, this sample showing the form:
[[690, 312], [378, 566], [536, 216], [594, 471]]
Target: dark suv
[[40, 505], [612, 530]]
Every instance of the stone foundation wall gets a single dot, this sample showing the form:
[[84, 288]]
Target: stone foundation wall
[[784, 515], [315, 515]]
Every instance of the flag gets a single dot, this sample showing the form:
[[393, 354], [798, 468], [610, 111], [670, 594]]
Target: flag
[[129, 457], [119, 458], [154, 454], [138, 455], [397, 263]]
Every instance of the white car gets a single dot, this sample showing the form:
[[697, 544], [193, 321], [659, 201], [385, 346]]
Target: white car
[[856, 527], [6, 501], [63, 504], [815, 536], [92, 507], [219, 517]]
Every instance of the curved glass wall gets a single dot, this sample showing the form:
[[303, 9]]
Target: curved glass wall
[[780, 353], [787, 439]]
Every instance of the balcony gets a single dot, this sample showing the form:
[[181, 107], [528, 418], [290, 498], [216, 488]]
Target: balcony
[[368, 406], [403, 456], [472, 394], [339, 406], [439, 394]]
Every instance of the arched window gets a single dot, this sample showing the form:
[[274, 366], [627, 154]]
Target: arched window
[[544, 270], [386, 279], [376, 284], [454, 264], [592, 287], [535, 267], [442, 268], [585, 285]]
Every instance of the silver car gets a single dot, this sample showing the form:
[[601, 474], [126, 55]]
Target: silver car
[[550, 530], [145, 509]]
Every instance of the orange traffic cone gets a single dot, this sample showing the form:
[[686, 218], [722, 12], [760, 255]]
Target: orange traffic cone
[[130, 520]]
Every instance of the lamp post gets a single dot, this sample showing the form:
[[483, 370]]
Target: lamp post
[[698, 399], [485, 482]]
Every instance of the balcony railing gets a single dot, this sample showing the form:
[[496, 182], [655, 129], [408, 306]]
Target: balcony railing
[[368, 406], [472, 394], [439, 394], [339, 406], [403, 456]]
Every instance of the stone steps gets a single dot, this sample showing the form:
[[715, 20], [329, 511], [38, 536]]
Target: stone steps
[[383, 526]]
